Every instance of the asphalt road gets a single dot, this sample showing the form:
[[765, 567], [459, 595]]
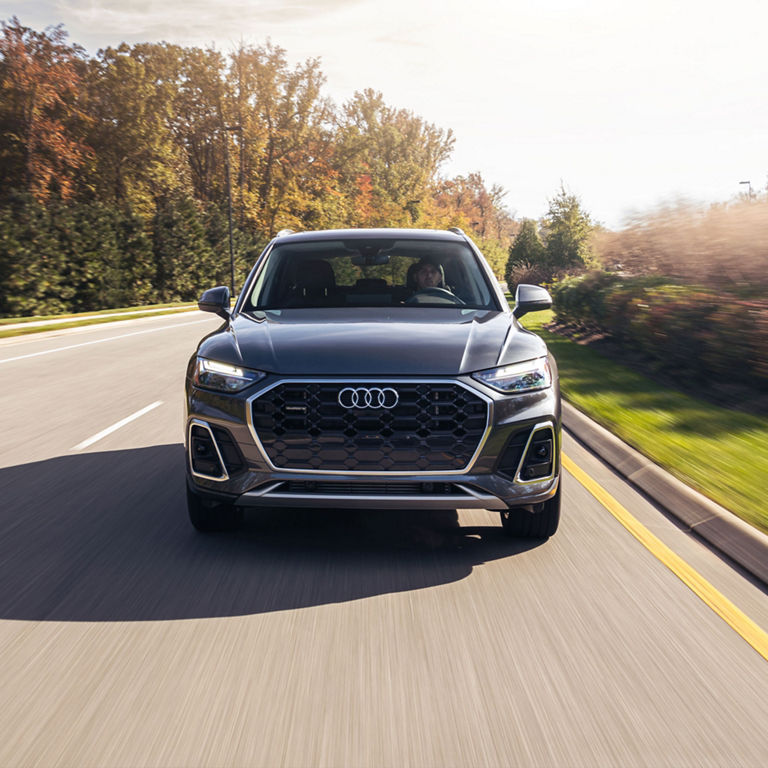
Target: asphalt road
[[329, 639]]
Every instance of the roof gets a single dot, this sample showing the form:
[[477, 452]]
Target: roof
[[362, 234]]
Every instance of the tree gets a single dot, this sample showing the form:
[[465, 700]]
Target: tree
[[183, 257], [388, 160], [40, 117], [32, 265], [567, 230], [527, 250], [466, 202], [283, 143], [197, 119], [137, 160]]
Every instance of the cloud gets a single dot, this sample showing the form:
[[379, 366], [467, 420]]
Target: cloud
[[191, 19], [390, 40]]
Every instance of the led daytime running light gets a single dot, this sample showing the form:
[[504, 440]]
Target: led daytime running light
[[223, 377], [223, 368], [529, 376]]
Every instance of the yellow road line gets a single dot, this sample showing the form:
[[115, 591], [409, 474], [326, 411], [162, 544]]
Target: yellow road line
[[739, 621]]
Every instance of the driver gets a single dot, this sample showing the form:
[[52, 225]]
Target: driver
[[428, 274]]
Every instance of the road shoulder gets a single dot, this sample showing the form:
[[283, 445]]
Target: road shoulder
[[730, 535]]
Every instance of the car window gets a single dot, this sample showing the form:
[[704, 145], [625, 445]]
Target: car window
[[371, 272]]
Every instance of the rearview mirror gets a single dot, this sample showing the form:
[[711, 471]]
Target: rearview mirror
[[530, 298], [370, 259], [215, 300]]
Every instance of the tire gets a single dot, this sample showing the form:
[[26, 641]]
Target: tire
[[212, 516], [541, 523]]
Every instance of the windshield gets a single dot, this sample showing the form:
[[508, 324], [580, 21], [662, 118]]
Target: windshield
[[371, 272]]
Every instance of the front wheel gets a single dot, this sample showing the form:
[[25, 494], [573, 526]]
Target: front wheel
[[540, 523], [212, 516]]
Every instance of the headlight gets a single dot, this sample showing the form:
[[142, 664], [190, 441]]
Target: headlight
[[223, 377], [529, 376]]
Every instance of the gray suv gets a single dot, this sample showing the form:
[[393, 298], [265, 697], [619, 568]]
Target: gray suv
[[378, 369]]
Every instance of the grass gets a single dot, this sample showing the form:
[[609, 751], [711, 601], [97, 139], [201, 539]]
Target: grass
[[720, 452], [86, 318], [75, 315]]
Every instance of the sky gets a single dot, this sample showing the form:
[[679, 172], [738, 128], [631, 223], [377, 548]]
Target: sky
[[628, 105]]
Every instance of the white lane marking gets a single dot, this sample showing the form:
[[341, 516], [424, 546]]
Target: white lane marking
[[100, 341], [115, 427]]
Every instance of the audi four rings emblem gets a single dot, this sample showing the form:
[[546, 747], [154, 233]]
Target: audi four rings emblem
[[365, 397]]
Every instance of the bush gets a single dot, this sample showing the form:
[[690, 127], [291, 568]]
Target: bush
[[581, 299], [680, 329], [532, 274]]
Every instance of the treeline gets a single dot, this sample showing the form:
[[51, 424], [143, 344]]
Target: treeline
[[723, 246], [115, 170], [720, 247]]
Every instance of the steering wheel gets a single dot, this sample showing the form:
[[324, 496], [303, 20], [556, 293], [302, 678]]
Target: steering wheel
[[442, 295]]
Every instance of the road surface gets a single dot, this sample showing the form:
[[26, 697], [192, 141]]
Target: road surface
[[334, 638]]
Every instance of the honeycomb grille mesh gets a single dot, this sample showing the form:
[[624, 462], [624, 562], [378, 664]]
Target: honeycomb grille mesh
[[435, 427]]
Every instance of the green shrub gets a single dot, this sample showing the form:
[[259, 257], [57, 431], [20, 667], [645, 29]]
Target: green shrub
[[581, 299], [680, 329]]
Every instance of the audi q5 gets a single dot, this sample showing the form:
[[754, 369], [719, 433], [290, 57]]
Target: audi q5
[[373, 369]]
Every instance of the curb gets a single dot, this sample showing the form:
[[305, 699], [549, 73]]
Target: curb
[[729, 534], [85, 318]]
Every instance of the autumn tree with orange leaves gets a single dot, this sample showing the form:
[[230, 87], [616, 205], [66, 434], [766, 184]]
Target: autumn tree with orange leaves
[[41, 120]]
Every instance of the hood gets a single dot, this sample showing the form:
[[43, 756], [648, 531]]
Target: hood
[[371, 341]]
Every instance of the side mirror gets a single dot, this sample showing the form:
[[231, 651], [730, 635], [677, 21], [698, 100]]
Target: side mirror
[[215, 300], [530, 298]]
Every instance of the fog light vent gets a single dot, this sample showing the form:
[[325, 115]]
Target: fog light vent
[[539, 460], [513, 452], [204, 456], [230, 453]]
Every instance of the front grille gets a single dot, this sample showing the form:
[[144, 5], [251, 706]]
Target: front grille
[[435, 427], [322, 488]]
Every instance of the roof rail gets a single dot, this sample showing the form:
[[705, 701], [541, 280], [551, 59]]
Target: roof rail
[[456, 230], [285, 232]]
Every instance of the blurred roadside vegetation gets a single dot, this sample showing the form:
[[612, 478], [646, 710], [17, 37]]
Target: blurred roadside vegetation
[[697, 338], [679, 294], [720, 452], [682, 295], [115, 169]]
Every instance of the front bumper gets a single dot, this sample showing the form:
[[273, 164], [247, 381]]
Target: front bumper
[[486, 482]]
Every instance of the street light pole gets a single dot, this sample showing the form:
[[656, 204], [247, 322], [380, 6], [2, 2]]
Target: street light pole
[[229, 208]]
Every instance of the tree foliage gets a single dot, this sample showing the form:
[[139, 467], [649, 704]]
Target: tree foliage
[[115, 169], [560, 245], [527, 250], [567, 231], [388, 160], [40, 115]]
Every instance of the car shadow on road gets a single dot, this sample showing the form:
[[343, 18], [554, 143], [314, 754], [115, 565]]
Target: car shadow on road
[[105, 537]]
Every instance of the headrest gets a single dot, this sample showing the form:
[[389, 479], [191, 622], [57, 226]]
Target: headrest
[[315, 278]]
